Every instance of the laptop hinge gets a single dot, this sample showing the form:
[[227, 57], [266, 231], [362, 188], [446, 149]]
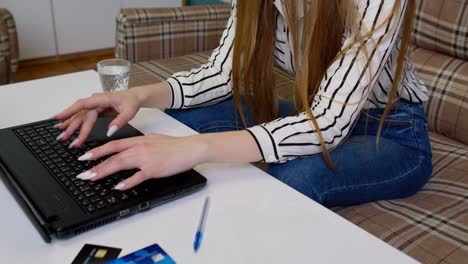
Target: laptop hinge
[[25, 203]]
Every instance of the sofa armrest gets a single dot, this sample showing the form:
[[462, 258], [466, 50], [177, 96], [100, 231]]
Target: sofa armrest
[[8, 46], [155, 33]]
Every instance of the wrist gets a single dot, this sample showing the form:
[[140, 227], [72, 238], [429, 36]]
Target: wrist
[[156, 95], [234, 146], [201, 145], [140, 93]]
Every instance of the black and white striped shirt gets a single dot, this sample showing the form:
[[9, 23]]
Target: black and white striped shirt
[[343, 92]]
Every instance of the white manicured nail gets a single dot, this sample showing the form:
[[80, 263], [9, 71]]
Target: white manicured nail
[[85, 156], [73, 143], [119, 186], [87, 175], [112, 130], [56, 125], [60, 136]]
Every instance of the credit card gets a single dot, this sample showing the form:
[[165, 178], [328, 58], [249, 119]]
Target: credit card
[[95, 254], [153, 254]]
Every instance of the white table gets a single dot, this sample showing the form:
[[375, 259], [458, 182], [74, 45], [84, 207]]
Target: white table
[[253, 218]]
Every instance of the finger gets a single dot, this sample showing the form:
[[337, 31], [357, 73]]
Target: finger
[[110, 148], [64, 125], [116, 163], [95, 101], [121, 120], [86, 126], [74, 124], [131, 182]]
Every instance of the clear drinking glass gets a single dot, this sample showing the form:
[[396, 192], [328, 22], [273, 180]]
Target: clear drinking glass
[[114, 74]]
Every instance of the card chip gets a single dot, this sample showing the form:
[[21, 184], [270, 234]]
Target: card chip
[[101, 253]]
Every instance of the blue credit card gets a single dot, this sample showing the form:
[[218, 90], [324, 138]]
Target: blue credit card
[[149, 255]]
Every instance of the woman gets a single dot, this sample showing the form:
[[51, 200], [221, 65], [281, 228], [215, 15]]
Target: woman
[[355, 131]]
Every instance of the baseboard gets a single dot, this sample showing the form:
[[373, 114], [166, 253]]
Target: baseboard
[[66, 57]]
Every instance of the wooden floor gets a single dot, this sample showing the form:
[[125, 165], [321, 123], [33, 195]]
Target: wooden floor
[[53, 66]]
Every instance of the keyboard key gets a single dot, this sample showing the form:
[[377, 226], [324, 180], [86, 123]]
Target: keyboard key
[[84, 202], [101, 205], [89, 194], [91, 208], [66, 168], [50, 139], [122, 196], [111, 200], [79, 183], [104, 192], [95, 199], [40, 142], [70, 173], [84, 188]]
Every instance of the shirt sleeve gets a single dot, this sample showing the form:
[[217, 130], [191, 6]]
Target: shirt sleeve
[[342, 92], [211, 82]]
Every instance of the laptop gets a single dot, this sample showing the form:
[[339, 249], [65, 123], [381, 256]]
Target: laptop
[[41, 173]]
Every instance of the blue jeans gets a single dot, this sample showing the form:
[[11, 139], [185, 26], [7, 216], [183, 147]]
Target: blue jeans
[[398, 167]]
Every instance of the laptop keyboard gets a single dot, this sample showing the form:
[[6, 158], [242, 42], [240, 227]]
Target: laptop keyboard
[[63, 163]]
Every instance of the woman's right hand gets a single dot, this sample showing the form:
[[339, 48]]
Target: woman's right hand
[[84, 112]]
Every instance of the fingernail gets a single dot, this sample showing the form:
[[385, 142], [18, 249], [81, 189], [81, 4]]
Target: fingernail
[[85, 156], [60, 136], [112, 130], [87, 175], [119, 186], [57, 125], [73, 144]]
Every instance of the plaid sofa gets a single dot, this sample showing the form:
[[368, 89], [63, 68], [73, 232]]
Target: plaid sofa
[[432, 225], [8, 47]]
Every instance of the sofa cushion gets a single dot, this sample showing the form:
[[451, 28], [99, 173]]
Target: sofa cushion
[[447, 81], [432, 225], [155, 33], [442, 26]]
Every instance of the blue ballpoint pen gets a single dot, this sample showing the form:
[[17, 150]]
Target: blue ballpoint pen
[[201, 225]]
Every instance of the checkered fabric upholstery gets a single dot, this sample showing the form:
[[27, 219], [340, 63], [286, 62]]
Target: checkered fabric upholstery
[[432, 225], [442, 26], [156, 33], [447, 80], [8, 46]]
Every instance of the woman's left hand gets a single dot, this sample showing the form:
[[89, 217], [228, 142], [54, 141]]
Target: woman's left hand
[[155, 156]]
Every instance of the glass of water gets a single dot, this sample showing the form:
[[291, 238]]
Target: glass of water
[[114, 74]]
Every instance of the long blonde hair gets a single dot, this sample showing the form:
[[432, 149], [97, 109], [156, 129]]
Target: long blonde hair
[[324, 24]]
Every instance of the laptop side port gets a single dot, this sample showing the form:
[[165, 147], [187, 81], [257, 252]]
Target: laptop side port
[[125, 212], [144, 206]]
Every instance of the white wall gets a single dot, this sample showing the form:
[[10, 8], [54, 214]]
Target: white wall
[[85, 24], [35, 27], [80, 25]]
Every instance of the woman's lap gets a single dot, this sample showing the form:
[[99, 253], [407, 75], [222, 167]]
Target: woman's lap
[[398, 167]]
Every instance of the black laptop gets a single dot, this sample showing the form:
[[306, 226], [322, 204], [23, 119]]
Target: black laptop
[[41, 173]]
